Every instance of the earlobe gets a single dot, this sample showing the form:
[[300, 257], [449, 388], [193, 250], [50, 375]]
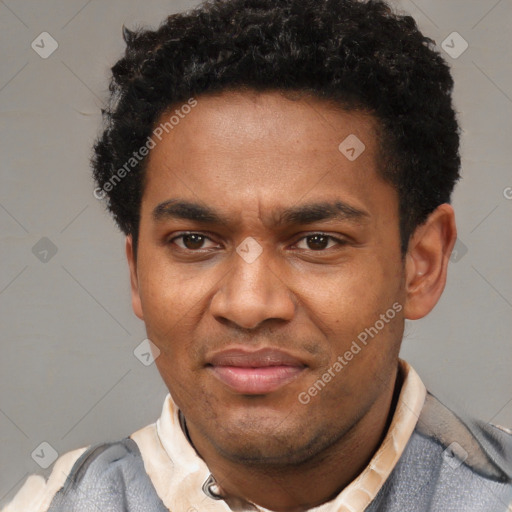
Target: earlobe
[[427, 261], [134, 281]]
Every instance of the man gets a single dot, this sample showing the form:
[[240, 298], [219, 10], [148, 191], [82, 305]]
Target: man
[[282, 170]]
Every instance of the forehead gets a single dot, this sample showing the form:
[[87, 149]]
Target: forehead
[[235, 148], [241, 120]]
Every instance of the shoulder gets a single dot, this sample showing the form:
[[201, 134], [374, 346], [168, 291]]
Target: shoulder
[[451, 463], [36, 493], [108, 476], [483, 447]]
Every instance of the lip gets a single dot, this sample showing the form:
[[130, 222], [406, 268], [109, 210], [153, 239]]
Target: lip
[[255, 372]]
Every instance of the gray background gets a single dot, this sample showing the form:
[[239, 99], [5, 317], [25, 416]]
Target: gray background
[[68, 375]]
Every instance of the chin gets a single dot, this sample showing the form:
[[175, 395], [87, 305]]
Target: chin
[[268, 443]]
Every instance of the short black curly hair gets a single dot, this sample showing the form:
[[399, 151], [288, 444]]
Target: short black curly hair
[[358, 54]]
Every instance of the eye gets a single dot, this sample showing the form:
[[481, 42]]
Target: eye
[[319, 242], [192, 241]]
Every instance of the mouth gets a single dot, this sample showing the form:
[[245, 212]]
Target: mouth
[[255, 373]]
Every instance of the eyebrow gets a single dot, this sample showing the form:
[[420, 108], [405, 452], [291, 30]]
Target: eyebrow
[[303, 214], [315, 212]]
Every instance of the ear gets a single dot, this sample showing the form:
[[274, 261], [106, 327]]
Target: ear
[[427, 259], [134, 281]]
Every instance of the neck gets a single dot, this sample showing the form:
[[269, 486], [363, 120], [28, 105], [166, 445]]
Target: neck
[[296, 489]]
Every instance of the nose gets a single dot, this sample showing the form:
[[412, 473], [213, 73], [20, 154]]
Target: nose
[[252, 293]]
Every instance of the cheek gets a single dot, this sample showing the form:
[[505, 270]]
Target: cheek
[[349, 297], [166, 297]]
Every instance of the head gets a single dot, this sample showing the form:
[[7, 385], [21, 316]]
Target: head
[[282, 171]]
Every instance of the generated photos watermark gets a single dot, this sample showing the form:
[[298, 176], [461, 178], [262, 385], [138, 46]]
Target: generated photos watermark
[[343, 360]]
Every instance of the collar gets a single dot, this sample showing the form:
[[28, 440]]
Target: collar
[[184, 483]]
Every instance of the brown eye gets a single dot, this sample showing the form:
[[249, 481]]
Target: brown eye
[[192, 241], [317, 242]]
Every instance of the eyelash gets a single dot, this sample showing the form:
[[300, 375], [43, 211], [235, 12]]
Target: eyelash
[[339, 241]]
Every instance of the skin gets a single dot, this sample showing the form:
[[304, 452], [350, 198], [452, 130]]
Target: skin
[[249, 156]]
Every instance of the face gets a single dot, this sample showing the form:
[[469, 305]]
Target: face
[[269, 273]]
